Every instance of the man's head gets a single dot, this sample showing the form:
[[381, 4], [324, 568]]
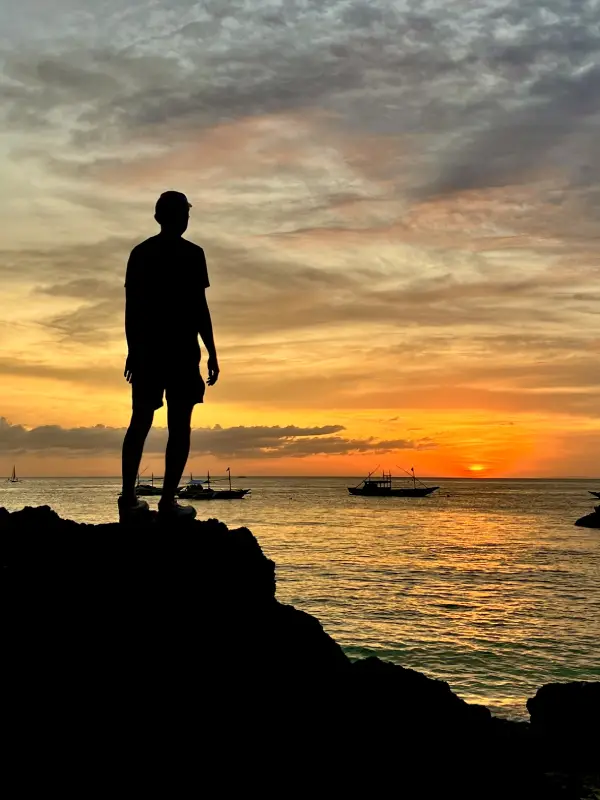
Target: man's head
[[172, 212]]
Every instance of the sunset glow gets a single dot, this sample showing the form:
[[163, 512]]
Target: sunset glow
[[395, 278]]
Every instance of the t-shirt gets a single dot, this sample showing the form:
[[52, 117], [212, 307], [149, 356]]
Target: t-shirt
[[164, 285]]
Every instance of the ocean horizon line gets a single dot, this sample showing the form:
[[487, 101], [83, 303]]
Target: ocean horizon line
[[338, 477]]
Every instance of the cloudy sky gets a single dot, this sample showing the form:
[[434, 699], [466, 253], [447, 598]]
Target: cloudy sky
[[400, 206]]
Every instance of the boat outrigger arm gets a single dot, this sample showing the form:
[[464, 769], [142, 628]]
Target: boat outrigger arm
[[412, 475], [360, 483]]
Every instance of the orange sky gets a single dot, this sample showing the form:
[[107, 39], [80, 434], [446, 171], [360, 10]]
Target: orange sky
[[396, 278]]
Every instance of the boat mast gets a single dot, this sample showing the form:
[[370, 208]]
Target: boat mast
[[412, 475], [229, 473]]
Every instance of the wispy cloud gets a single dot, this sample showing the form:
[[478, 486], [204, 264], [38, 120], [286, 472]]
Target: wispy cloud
[[399, 205]]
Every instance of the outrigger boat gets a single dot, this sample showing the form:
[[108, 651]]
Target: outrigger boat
[[196, 490], [202, 490], [383, 487], [228, 494], [147, 489]]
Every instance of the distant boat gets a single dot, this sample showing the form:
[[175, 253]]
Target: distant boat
[[202, 490], [228, 494], [196, 490], [13, 478], [147, 489], [596, 494], [383, 487]]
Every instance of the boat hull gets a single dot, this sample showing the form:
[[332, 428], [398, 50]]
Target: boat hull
[[148, 491], [596, 494], [419, 492], [230, 494], [206, 494]]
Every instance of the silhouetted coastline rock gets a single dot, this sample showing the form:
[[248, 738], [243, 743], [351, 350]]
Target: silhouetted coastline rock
[[171, 639], [590, 520], [567, 715]]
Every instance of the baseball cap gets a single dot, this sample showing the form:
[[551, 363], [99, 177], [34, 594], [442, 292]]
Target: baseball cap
[[171, 202]]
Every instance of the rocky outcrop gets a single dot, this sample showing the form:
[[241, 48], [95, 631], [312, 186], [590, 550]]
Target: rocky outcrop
[[199, 591], [162, 636], [590, 520], [567, 716]]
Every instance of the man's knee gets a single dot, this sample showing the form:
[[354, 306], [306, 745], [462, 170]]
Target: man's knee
[[180, 431], [141, 420], [179, 419]]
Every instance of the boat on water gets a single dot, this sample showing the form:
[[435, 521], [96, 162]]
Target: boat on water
[[384, 487], [196, 490], [147, 489], [596, 494], [202, 490], [13, 478], [228, 494]]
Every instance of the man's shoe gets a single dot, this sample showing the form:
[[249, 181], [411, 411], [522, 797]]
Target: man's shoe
[[130, 511], [173, 511]]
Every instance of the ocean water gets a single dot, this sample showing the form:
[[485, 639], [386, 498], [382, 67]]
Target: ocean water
[[487, 584]]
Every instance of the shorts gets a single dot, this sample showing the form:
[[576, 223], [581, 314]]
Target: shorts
[[181, 383]]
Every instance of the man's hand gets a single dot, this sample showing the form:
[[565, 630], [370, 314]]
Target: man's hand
[[213, 370], [129, 367]]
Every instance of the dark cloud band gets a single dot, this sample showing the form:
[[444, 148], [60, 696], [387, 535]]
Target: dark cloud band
[[253, 442]]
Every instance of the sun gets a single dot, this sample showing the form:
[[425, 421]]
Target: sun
[[477, 468]]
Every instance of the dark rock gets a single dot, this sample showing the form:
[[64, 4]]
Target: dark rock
[[590, 520], [197, 589], [567, 718], [408, 692], [171, 640], [567, 708]]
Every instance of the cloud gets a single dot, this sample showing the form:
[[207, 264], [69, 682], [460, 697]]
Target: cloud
[[399, 206], [504, 81], [84, 377], [254, 442], [513, 146], [73, 267]]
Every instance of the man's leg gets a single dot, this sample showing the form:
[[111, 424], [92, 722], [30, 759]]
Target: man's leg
[[179, 420], [133, 447]]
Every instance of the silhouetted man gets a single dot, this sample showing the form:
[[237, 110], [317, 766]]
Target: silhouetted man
[[165, 310]]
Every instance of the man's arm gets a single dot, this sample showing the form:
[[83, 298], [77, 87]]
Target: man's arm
[[132, 318], [132, 324], [205, 329]]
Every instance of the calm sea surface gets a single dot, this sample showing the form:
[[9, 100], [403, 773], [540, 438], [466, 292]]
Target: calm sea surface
[[487, 585]]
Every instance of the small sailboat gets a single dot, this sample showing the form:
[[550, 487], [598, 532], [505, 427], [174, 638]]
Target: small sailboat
[[13, 478]]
